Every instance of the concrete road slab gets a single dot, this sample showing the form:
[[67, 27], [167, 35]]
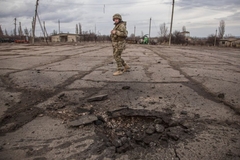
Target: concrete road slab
[[2, 57], [75, 64], [213, 138], [8, 99], [217, 70], [78, 84], [38, 80], [57, 101], [190, 93], [45, 138], [107, 75], [6, 71], [159, 97], [26, 62]]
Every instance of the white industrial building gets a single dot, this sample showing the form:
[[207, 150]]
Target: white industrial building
[[65, 37]]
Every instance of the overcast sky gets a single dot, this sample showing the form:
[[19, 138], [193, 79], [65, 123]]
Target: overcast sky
[[200, 17]]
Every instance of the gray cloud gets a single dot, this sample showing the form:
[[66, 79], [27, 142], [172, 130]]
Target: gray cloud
[[210, 4], [234, 17], [8, 9], [192, 13]]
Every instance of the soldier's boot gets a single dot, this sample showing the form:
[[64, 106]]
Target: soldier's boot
[[117, 73], [126, 67]]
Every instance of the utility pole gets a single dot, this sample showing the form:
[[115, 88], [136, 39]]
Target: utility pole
[[15, 24], [45, 31], [170, 35], [80, 29], [19, 32], [32, 30], [95, 28], [215, 38], [149, 30], [34, 22], [41, 27], [20, 29], [59, 26], [134, 33]]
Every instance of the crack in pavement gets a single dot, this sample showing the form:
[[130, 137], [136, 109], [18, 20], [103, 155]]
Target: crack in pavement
[[176, 154], [196, 86]]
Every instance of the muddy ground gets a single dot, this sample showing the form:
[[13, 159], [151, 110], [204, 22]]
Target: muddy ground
[[61, 101]]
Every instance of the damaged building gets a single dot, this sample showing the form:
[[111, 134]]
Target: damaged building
[[65, 37]]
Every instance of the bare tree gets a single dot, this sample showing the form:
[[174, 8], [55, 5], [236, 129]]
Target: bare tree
[[163, 30], [26, 32], [80, 28], [221, 29], [229, 36], [1, 32], [76, 29], [184, 29], [132, 35], [6, 32], [20, 32], [211, 40], [178, 38], [54, 32]]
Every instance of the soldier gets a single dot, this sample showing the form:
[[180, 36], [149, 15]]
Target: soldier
[[118, 36]]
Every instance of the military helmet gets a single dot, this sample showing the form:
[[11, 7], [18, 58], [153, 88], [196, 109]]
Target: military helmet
[[118, 16]]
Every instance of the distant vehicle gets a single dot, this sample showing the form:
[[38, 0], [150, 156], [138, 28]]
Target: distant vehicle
[[20, 41], [144, 39]]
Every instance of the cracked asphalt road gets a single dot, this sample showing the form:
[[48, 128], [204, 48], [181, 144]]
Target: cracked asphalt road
[[43, 88]]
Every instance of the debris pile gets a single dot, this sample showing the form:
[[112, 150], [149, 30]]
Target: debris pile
[[153, 129]]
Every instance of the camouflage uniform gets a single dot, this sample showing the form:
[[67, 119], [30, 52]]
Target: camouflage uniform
[[119, 42]]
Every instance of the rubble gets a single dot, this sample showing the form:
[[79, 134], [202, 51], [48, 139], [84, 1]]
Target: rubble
[[159, 128], [126, 87], [86, 119], [221, 95], [97, 98], [126, 128]]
